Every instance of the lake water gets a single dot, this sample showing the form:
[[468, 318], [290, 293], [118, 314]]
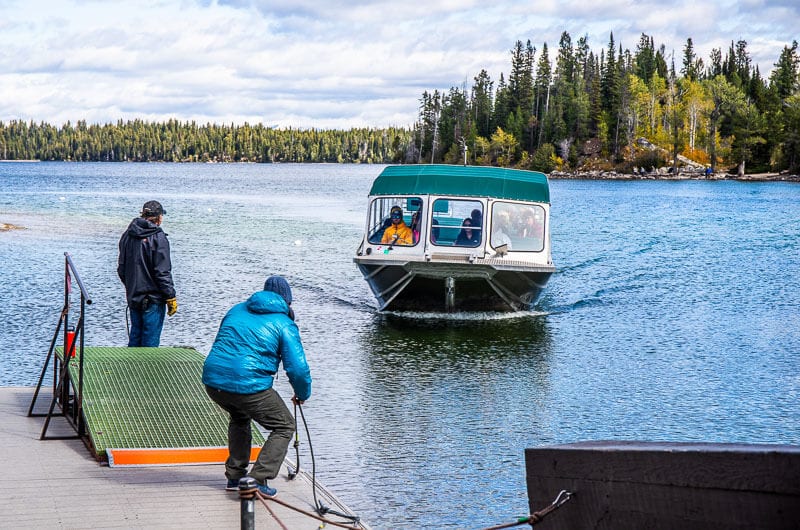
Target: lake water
[[673, 316]]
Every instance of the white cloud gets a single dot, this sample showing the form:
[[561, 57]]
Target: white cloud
[[315, 63]]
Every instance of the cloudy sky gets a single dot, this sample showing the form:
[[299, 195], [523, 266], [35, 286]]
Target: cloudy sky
[[321, 63]]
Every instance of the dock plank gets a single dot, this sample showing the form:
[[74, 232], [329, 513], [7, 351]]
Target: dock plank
[[59, 484]]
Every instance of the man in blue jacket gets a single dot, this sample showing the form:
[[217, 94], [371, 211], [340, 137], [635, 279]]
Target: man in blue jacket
[[145, 267], [253, 339]]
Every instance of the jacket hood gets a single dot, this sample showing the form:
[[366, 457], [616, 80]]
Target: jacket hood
[[267, 302], [141, 228]]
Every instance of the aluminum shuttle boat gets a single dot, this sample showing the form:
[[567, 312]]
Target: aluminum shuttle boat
[[447, 238]]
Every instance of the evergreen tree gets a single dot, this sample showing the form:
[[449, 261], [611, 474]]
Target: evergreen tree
[[482, 105], [743, 63], [453, 125], [520, 80], [645, 59], [502, 105], [594, 94], [542, 91], [570, 110], [715, 68], [785, 77], [611, 91], [692, 66], [520, 93], [661, 62]]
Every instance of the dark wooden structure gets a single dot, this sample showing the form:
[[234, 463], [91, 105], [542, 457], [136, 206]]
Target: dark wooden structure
[[652, 485]]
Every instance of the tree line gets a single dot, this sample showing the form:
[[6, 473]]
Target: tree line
[[583, 110], [177, 141], [580, 110]]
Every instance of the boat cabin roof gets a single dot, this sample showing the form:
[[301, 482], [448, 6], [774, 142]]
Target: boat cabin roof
[[466, 181]]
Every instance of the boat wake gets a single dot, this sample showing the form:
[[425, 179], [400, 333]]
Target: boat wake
[[464, 316]]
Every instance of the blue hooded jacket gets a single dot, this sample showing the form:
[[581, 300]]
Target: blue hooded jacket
[[253, 339]]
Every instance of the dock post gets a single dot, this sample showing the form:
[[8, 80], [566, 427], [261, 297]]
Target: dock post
[[247, 495]]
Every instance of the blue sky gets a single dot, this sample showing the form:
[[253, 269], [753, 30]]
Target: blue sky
[[323, 64]]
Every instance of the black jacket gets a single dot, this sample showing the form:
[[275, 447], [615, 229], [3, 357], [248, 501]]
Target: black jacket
[[144, 264]]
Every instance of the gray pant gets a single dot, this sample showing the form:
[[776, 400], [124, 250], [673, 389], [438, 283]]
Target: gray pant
[[268, 410]]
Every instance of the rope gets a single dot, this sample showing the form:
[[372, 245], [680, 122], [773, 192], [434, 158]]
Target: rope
[[274, 516], [320, 508], [313, 460], [263, 500], [294, 473], [537, 517]]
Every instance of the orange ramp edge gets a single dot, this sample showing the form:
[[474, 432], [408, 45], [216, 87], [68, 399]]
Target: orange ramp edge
[[171, 456]]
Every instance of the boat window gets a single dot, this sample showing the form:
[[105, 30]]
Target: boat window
[[380, 220], [519, 226], [449, 218]]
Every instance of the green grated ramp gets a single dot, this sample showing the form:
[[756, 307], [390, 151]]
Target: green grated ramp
[[149, 398]]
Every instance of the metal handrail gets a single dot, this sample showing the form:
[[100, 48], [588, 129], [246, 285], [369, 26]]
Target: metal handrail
[[71, 265], [62, 385]]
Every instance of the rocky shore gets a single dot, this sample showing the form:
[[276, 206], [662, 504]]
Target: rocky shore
[[666, 175]]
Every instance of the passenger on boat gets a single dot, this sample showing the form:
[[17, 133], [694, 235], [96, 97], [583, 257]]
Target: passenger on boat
[[398, 233], [477, 218], [255, 337], [378, 234], [415, 226], [532, 226], [501, 223], [468, 237]]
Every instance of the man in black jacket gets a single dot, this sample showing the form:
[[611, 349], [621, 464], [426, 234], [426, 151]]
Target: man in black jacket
[[146, 270]]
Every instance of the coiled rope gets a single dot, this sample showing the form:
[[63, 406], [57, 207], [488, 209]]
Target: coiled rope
[[264, 500]]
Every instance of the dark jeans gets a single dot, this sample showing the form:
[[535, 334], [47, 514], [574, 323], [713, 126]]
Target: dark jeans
[[268, 410], [146, 326]]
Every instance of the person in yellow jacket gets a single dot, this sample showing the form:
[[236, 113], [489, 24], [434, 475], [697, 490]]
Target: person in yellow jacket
[[398, 233]]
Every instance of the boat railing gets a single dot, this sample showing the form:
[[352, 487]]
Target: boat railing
[[67, 394]]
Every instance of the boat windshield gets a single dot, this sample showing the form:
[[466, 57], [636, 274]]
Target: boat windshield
[[519, 226], [395, 220], [457, 223]]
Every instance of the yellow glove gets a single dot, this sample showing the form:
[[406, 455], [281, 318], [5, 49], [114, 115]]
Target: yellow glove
[[172, 306]]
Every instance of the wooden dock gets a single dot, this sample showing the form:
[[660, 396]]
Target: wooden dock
[[632, 485], [59, 483]]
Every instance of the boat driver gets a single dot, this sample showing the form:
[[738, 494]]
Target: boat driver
[[398, 233]]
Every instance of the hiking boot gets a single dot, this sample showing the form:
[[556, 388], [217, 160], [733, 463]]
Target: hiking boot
[[266, 491]]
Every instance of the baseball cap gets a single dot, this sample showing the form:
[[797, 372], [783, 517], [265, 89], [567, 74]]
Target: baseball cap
[[153, 209]]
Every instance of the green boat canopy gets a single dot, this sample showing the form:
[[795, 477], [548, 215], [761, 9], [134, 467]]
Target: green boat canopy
[[463, 181]]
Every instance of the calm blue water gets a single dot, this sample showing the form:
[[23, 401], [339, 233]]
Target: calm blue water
[[673, 316]]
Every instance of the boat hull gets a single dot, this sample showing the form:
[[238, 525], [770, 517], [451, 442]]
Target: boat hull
[[446, 287]]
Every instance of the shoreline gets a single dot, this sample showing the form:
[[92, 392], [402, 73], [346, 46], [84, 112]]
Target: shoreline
[[681, 175], [658, 174]]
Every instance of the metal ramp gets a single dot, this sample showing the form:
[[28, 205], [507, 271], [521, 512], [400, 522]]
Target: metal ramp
[[148, 406]]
